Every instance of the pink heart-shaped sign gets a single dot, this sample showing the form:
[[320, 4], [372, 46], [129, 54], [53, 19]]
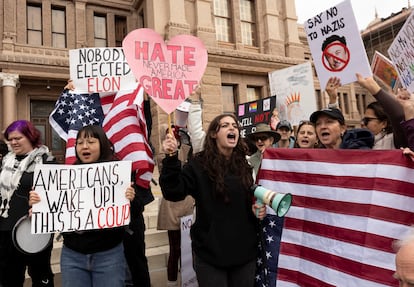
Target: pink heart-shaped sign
[[169, 72]]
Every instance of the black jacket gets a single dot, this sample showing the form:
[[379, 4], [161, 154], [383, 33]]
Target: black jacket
[[357, 139], [224, 234]]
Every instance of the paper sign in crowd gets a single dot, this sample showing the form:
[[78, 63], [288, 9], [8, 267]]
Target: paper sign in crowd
[[252, 113], [98, 70], [81, 197], [336, 45], [383, 68], [295, 92], [401, 53]]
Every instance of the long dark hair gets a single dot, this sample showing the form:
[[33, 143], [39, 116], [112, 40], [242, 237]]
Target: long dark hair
[[216, 164], [106, 147]]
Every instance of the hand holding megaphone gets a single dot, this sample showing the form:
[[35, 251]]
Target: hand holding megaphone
[[279, 202]]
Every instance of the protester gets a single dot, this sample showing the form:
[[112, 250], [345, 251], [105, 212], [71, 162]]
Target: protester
[[287, 140], [391, 108], [224, 234], [376, 120], [264, 137], [306, 135], [404, 260], [272, 225], [134, 240], [16, 181], [274, 119], [93, 257], [137, 271], [170, 213], [332, 132]]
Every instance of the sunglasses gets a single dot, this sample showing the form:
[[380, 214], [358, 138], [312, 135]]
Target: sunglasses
[[261, 137], [366, 120]]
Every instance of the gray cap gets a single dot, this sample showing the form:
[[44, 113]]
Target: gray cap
[[284, 124]]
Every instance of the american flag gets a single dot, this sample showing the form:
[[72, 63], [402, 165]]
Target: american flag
[[348, 208], [126, 128], [121, 116]]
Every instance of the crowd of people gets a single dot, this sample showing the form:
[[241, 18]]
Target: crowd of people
[[213, 172]]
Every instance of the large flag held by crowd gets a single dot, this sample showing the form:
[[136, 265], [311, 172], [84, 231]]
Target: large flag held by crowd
[[348, 208], [122, 117]]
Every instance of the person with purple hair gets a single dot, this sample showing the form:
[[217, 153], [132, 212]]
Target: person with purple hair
[[16, 181]]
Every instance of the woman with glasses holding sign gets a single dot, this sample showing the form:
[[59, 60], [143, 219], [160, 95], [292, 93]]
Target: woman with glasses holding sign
[[93, 257]]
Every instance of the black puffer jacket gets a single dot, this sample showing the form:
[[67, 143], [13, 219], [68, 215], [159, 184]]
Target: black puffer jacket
[[357, 139]]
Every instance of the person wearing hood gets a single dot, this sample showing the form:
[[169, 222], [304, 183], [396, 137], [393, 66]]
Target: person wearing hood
[[333, 134]]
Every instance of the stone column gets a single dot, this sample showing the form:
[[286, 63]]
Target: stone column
[[204, 23], [354, 112], [9, 90], [177, 23], [272, 41], [294, 48]]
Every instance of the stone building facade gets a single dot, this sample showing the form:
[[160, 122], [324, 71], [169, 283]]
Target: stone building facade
[[245, 40]]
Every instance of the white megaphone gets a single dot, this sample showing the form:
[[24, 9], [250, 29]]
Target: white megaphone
[[279, 202]]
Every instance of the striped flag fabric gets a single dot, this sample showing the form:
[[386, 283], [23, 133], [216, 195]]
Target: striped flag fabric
[[126, 128], [121, 116], [348, 208]]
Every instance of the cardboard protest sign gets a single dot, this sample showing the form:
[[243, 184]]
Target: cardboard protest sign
[[252, 113], [336, 45], [168, 72], [295, 92], [401, 53], [97, 70], [81, 197], [383, 68]]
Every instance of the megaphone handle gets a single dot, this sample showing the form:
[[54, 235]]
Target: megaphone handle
[[258, 202]]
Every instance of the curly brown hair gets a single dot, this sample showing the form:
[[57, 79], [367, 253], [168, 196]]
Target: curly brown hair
[[217, 166]]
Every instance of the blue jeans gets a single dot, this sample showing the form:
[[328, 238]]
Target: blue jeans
[[103, 269]]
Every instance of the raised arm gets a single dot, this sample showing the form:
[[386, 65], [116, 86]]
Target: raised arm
[[195, 122], [332, 90], [391, 106]]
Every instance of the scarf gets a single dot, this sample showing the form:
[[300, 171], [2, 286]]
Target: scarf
[[11, 173]]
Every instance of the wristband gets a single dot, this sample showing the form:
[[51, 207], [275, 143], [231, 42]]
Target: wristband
[[171, 154], [333, 106]]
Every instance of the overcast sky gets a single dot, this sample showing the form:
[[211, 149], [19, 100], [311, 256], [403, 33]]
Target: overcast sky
[[364, 10]]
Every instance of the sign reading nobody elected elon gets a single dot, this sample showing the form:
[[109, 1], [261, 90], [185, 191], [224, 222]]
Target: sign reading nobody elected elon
[[81, 197]]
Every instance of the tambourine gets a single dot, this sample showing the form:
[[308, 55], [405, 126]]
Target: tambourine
[[25, 241]]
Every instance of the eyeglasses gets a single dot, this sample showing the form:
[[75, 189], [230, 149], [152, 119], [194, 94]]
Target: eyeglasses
[[262, 138], [366, 120]]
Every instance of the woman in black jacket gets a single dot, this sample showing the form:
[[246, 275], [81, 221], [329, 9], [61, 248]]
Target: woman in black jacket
[[16, 181], [224, 235]]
